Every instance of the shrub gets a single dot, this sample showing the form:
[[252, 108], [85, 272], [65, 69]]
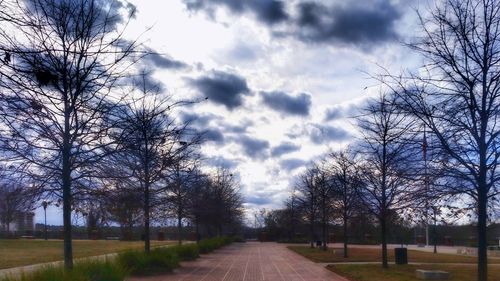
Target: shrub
[[82, 271], [159, 260], [239, 239], [187, 252], [211, 244], [294, 241]]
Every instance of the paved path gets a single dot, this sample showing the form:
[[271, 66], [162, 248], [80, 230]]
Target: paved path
[[247, 262]]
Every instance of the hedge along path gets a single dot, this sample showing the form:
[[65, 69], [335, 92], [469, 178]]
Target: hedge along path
[[248, 262]]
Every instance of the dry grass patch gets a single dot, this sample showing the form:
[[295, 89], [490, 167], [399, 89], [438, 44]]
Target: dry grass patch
[[407, 272], [374, 255], [15, 253]]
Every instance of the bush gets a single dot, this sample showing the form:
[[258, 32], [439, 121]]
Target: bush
[[211, 244], [186, 252], [294, 241], [239, 239], [82, 271], [159, 260]]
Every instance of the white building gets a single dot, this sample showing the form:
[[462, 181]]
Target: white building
[[23, 224]]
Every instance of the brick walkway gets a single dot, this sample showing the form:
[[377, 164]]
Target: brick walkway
[[249, 261]]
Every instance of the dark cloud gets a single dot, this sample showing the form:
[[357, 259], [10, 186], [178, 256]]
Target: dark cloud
[[162, 61], [241, 128], [267, 11], [350, 23], [353, 23], [244, 52], [213, 136], [219, 161], [223, 88], [334, 113], [236, 129], [292, 164], [320, 134], [145, 81], [339, 112], [284, 103], [198, 120], [254, 148], [284, 148]]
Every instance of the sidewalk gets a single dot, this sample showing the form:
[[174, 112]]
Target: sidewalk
[[247, 262]]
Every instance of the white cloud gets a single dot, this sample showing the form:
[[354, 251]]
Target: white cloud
[[331, 74]]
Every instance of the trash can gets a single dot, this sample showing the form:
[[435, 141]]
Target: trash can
[[401, 255], [319, 243]]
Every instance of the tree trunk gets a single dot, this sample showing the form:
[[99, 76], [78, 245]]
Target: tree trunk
[[311, 234], [179, 228], [324, 223], [345, 236], [147, 241], [66, 188], [383, 228], [197, 227], [434, 232], [324, 234], [482, 258]]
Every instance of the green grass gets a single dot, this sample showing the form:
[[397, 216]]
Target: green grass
[[374, 255], [26, 252], [83, 271], [407, 272]]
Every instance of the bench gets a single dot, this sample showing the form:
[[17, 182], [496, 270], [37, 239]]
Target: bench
[[432, 274], [27, 237]]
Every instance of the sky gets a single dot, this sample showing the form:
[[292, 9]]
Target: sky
[[283, 78]]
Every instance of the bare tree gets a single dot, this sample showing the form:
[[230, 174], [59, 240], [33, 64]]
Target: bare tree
[[60, 65], [308, 200], [197, 199], [180, 180], [223, 206], [123, 204], [325, 204], [292, 215], [345, 181], [151, 142], [456, 95], [386, 159]]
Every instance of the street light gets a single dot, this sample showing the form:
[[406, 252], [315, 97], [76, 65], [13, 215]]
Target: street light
[[44, 205]]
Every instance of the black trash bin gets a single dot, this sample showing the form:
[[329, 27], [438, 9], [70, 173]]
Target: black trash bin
[[401, 255], [319, 243]]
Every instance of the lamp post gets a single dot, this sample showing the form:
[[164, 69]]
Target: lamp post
[[44, 205]]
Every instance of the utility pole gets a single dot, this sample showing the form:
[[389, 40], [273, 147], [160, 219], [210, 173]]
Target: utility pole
[[426, 183]]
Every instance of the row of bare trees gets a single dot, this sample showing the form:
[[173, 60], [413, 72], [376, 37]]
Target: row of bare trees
[[431, 142], [394, 170], [85, 126]]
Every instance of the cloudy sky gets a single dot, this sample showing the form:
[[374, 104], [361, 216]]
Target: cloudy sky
[[282, 77]]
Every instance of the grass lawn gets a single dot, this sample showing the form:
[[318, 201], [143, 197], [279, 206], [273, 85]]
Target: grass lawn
[[374, 255], [25, 252], [407, 272]]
